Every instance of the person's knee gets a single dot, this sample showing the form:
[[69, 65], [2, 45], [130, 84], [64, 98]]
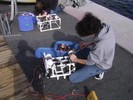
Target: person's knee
[[72, 79]]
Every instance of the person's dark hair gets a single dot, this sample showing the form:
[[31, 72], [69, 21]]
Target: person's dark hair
[[88, 25], [39, 7]]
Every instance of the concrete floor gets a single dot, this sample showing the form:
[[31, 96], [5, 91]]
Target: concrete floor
[[117, 83]]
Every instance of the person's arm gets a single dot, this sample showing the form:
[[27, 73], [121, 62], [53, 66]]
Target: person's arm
[[77, 60], [85, 44], [50, 5]]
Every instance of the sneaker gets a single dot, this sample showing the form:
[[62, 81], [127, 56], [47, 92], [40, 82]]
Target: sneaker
[[99, 76]]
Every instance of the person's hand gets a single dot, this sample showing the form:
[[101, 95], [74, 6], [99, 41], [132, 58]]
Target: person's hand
[[73, 58], [40, 14], [83, 45], [45, 13]]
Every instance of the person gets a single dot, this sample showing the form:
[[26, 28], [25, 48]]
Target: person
[[56, 6], [97, 58], [44, 7]]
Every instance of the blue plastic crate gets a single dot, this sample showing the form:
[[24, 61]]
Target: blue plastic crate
[[55, 52], [25, 23], [39, 52]]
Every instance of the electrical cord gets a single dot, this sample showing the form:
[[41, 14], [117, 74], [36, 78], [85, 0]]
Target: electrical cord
[[43, 96], [62, 97], [30, 85]]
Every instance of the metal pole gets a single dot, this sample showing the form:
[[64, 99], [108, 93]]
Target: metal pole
[[8, 26], [2, 23], [16, 7], [12, 10]]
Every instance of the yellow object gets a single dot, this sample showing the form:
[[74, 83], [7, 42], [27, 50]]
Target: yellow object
[[22, 1], [92, 96]]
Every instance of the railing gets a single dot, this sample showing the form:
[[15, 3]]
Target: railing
[[6, 19]]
